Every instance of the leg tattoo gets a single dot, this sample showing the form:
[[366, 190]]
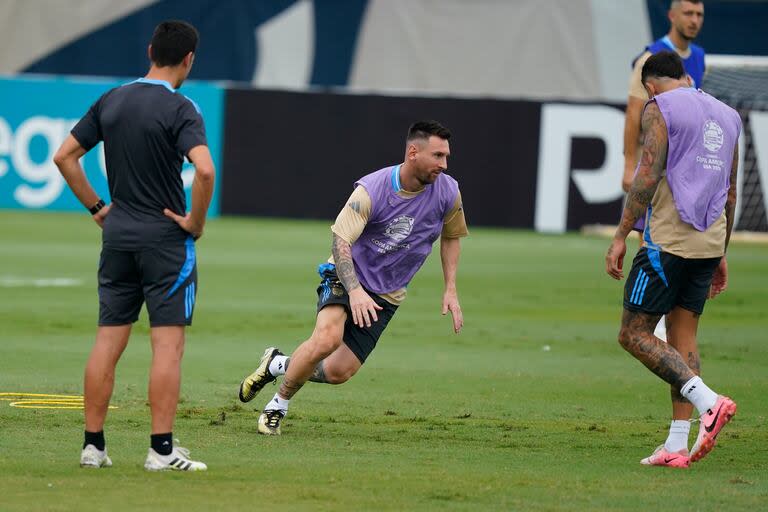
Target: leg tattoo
[[694, 364], [288, 388], [676, 396], [318, 374], [637, 338]]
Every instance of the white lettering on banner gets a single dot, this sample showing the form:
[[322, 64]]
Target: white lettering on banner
[[759, 122], [43, 173], [5, 145], [54, 131], [560, 124]]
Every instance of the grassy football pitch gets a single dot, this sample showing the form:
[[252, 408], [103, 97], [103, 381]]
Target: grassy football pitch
[[534, 406]]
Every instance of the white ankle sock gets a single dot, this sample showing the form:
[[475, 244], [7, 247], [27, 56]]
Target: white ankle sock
[[678, 436], [277, 366], [277, 403], [696, 392]]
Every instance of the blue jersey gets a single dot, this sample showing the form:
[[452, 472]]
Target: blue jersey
[[694, 64]]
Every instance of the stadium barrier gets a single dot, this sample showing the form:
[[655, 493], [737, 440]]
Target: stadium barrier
[[548, 166], [521, 164]]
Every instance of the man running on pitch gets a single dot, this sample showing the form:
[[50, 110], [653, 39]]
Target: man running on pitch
[[380, 240]]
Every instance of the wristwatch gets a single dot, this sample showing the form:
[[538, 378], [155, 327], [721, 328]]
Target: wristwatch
[[98, 206]]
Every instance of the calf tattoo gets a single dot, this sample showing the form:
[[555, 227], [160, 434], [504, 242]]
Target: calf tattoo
[[637, 338], [288, 388], [318, 374], [694, 363]]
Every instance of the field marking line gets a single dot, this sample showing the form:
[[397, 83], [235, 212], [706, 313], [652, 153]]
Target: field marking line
[[39, 282], [44, 401], [39, 395]]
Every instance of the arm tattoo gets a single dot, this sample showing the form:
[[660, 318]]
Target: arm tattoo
[[730, 203], [345, 268], [637, 338], [651, 168]]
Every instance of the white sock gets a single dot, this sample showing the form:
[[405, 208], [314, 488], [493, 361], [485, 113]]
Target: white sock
[[678, 436], [277, 366], [661, 329], [699, 394], [277, 403]]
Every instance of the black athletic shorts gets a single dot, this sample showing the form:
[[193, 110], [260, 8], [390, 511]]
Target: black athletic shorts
[[163, 277], [360, 340], [659, 282]]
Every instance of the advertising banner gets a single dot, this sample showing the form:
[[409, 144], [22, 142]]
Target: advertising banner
[[36, 115], [520, 164]]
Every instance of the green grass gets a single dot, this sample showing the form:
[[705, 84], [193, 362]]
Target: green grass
[[487, 420]]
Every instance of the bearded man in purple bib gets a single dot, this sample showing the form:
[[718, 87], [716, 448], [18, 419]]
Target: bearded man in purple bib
[[381, 238], [684, 194]]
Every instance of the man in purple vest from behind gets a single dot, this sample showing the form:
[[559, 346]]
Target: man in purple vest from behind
[[685, 187], [381, 238]]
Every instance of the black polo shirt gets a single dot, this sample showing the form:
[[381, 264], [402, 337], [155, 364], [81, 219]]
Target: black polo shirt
[[147, 128]]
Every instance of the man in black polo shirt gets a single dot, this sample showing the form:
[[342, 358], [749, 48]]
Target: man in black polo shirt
[[148, 239]]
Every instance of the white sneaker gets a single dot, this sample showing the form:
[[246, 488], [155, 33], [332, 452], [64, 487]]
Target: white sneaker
[[178, 460], [92, 457]]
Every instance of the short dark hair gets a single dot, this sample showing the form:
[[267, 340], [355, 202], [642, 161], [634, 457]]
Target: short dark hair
[[666, 64], [674, 2], [172, 41], [425, 129]]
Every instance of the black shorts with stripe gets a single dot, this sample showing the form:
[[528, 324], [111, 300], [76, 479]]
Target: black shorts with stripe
[[360, 340], [164, 277], [660, 281]]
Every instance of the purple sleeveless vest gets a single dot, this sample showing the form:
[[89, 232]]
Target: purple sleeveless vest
[[400, 232], [703, 133]]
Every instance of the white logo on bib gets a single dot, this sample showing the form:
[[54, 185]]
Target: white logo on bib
[[399, 228], [713, 135]]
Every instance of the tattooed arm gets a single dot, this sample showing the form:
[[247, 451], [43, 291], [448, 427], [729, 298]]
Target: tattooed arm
[[345, 268], [349, 225], [643, 187], [362, 306], [649, 173]]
